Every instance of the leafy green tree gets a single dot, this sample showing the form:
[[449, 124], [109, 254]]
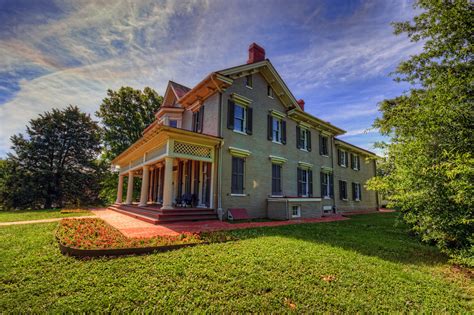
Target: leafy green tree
[[430, 155], [55, 164], [124, 115]]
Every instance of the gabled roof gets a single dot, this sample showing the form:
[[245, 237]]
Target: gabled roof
[[287, 98], [179, 89], [174, 91], [343, 143]]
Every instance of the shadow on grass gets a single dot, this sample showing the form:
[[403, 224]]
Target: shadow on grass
[[375, 235]]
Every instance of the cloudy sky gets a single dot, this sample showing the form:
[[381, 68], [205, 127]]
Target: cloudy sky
[[336, 55]]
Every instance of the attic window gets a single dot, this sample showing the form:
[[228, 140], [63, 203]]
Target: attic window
[[249, 81], [269, 91]]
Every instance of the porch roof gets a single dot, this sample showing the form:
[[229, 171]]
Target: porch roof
[[157, 136]]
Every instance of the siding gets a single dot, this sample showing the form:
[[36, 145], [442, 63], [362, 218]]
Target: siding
[[367, 171], [257, 181]]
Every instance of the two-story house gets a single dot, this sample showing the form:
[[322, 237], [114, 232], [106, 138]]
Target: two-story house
[[240, 139]]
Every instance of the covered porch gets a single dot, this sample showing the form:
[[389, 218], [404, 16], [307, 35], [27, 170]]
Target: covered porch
[[177, 169]]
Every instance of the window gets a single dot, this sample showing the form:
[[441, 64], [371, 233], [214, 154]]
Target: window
[[269, 91], [303, 138], [295, 211], [327, 190], [343, 157], [240, 118], [355, 162], [173, 123], [198, 118], [343, 190], [276, 180], [276, 129], [305, 182], [323, 145], [249, 81], [237, 186], [356, 192]]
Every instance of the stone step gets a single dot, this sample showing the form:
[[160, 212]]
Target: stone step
[[171, 215]]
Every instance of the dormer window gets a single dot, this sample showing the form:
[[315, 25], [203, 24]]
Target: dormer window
[[269, 91], [173, 123], [249, 81]]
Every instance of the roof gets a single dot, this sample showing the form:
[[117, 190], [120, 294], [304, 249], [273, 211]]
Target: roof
[[179, 89], [347, 144], [282, 91]]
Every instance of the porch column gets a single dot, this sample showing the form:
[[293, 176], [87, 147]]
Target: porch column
[[145, 182], [119, 189], [168, 184], [129, 189]]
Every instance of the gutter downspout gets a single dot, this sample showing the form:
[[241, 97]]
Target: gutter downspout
[[220, 213], [333, 146], [377, 195]]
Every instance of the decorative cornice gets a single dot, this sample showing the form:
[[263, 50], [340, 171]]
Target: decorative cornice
[[239, 152], [277, 159], [240, 99], [277, 114], [326, 169], [305, 164]]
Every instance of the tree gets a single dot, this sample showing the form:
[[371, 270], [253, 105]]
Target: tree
[[56, 163], [124, 115], [431, 129]]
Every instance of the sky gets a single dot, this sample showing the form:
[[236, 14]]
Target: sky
[[335, 54]]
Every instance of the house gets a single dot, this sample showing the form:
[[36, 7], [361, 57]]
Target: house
[[240, 139]]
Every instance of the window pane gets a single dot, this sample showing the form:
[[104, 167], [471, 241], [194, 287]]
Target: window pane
[[276, 126]]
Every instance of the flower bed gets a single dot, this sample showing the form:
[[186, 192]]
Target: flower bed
[[93, 237], [93, 233]]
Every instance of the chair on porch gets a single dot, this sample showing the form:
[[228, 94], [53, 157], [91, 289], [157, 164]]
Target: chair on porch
[[187, 200]]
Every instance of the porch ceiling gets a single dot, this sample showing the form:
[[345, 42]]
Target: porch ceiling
[[159, 136]]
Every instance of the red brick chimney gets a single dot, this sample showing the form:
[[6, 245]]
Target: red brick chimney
[[301, 103], [256, 53]]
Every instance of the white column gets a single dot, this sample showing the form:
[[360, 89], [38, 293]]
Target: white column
[[119, 189], [211, 193], [145, 182], [167, 185], [129, 189]]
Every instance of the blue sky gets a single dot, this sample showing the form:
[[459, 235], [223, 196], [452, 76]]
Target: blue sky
[[336, 55]]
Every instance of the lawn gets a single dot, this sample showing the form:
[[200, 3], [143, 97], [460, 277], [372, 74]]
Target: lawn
[[20, 215], [365, 264]]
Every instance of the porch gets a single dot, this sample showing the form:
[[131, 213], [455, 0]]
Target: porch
[[155, 215], [177, 172]]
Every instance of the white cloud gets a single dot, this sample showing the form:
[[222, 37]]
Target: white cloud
[[98, 45]]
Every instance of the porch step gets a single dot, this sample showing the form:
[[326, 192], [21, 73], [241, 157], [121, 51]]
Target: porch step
[[135, 215], [157, 216]]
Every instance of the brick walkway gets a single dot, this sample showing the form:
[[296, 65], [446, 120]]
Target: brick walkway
[[131, 227], [43, 220]]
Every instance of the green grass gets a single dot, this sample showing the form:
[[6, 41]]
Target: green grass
[[376, 268], [20, 215]]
